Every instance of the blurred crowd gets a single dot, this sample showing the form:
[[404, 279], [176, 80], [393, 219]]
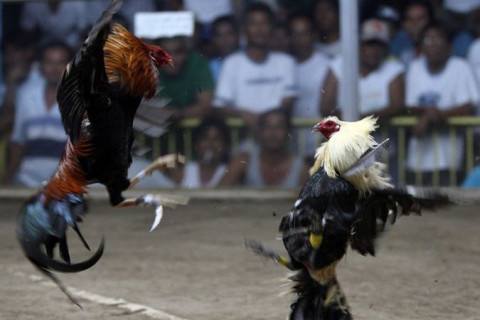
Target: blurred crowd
[[264, 61]]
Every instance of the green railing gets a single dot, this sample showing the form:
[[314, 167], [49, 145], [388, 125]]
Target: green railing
[[457, 126]]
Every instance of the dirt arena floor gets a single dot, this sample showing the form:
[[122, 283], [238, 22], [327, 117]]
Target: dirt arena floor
[[195, 266]]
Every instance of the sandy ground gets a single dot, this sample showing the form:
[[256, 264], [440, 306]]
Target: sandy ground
[[195, 266]]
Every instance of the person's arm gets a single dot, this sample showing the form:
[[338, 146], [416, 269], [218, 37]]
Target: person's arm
[[200, 108], [328, 105], [287, 105], [18, 137], [15, 75], [16, 155], [434, 116], [439, 116], [236, 171], [203, 80]]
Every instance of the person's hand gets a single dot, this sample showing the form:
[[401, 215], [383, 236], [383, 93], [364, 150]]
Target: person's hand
[[17, 73], [421, 127], [433, 114]]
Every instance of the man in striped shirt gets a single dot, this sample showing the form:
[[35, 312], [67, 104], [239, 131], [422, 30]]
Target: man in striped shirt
[[38, 136]]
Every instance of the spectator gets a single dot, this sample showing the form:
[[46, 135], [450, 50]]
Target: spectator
[[457, 22], [309, 82], [211, 141], [17, 55], [326, 14], [64, 20], [270, 163], [256, 79], [437, 88], [381, 82], [406, 43], [225, 39], [189, 84], [38, 136], [206, 11], [17, 61]]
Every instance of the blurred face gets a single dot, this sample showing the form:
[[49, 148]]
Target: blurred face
[[177, 49], [416, 18], [280, 40], [273, 134], [302, 38], [225, 39], [326, 17], [211, 146], [435, 46], [16, 55], [54, 61], [372, 53], [259, 29]]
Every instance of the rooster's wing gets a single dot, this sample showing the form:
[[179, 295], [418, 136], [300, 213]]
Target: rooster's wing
[[84, 83], [382, 206]]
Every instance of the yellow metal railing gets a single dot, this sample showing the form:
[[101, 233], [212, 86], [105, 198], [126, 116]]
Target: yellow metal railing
[[457, 127]]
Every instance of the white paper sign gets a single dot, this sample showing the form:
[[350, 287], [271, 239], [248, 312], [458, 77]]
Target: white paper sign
[[166, 24]]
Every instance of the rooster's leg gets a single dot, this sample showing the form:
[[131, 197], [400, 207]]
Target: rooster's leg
[[263, 252], [157, 201], [161, 163]]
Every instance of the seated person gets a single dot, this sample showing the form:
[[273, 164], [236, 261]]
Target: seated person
[[309, 84], [256, 79], [189, 83], [225, 40], [211, 141], [38, 137], [437, 87], [270, 163]]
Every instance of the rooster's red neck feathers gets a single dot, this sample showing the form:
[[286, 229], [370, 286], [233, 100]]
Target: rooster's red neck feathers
[[133, 63]]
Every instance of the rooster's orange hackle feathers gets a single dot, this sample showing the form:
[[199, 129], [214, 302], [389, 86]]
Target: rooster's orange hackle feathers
[[127, 62], [69, 178]]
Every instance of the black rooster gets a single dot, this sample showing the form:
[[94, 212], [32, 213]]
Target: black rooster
[[346, 200]]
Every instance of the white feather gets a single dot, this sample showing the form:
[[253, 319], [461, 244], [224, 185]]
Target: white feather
[[158, 217]]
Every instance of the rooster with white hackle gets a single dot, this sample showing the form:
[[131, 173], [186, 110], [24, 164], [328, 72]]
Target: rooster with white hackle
[[346, 201]]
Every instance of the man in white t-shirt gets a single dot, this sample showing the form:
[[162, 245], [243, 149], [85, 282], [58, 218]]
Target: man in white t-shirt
[[438, 87], [381, 82], [256, 80], [312, 67], [326, 15]]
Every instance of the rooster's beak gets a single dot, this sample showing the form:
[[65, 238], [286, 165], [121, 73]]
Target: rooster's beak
[[170, 63], [316, 128]]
